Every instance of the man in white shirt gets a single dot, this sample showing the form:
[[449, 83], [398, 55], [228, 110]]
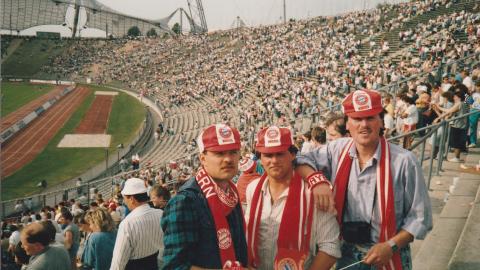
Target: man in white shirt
[[140, 237], [284, 229], [445, 83], [410, 120], [467, 80], [389, 124]]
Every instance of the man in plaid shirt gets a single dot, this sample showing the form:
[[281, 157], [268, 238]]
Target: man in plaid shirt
[[203, 224]]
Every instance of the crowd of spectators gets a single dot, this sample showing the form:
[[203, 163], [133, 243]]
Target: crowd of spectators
[[286, 72]]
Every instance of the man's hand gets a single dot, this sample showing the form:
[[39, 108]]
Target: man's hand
[[323, 196], [379, 255]]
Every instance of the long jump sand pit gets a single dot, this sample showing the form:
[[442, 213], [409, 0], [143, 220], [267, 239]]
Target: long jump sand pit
[[85, 141], [90, 133]]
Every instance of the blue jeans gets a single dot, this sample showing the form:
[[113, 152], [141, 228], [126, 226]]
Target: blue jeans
[[473, 125], [353, 253]]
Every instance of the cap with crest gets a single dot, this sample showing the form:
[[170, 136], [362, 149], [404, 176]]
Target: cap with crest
[[218, 138], [274, 139], [362, 103]]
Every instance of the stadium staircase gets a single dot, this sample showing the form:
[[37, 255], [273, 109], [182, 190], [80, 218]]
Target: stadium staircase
[[454, 242]]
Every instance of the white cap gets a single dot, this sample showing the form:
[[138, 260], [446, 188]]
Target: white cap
[[134, 186]]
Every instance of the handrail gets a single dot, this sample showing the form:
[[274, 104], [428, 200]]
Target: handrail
[[432, 126]]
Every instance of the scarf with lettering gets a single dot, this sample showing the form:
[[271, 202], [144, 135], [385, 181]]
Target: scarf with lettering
[[384, 190], [221, 204], [296, 217]]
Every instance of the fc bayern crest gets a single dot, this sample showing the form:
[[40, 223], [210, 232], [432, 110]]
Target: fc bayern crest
[[224, 238], [272, 137], [225, 132], [287, 264], [361, 101], [272, 133], [224, 135]]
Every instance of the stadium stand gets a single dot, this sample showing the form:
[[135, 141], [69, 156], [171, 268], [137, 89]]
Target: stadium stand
[[291, 74]]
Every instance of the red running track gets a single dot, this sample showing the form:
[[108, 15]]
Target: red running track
[[26, 109], [96, 119], [29, 142]]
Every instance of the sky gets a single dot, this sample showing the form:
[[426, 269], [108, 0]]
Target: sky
[[221, 14]]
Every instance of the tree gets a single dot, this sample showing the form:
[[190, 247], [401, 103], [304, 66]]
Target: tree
[[134, 31], [176, 29], [152, 33]]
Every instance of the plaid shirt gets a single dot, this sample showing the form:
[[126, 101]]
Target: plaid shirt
[[190, 236]]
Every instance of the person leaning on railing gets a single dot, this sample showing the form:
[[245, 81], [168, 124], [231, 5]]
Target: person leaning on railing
[[458, 127]]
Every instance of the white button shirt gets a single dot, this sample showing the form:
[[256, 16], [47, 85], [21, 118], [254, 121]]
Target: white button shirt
[[139, 235], [324, 235]]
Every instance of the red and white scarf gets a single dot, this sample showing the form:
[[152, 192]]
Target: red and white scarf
[[221, 204], [384, 190], [295, 227]]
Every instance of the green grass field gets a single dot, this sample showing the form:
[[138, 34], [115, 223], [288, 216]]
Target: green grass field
[[60, 164], [31, 55], [15, 95]]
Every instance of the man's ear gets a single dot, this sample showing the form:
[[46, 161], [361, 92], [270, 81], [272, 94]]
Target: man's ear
[[202, 158]]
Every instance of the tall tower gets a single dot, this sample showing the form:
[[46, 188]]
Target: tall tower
[[197, 15]]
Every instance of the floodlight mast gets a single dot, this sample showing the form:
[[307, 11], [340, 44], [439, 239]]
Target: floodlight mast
[[75, 19], [197, 14]]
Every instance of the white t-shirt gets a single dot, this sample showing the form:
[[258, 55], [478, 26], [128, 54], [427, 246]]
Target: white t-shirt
[[468, 82], [412, 117], [445, 87], [306, 147], [14, 238], [388, 122]]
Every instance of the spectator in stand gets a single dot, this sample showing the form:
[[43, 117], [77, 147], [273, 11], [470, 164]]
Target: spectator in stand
[[71, 234], [36, 239], [139, 237], [159, 196], [378, 234], [19, 206], [388, 124], [423, 106], [319, 138], [98, 250], [473, 118], [21, 257], [247, 167], [207, 208], [336, 127], [112, 210], [467, 80], [79, 184], [307, 142], [280, 233], [410, 120], [458, 128], [14, 238]]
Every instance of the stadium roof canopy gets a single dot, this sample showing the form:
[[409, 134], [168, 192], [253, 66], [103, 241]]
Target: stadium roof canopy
[[22, 14]]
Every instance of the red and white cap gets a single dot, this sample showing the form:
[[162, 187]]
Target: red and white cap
[[362, 103], [274, 139], [218, 138], [246, 165]]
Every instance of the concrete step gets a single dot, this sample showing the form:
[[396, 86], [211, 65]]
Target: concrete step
[[449, 218], [466, 254]]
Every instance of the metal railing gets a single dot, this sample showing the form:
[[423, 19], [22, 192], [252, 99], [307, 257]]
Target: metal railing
[[442, 142]]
